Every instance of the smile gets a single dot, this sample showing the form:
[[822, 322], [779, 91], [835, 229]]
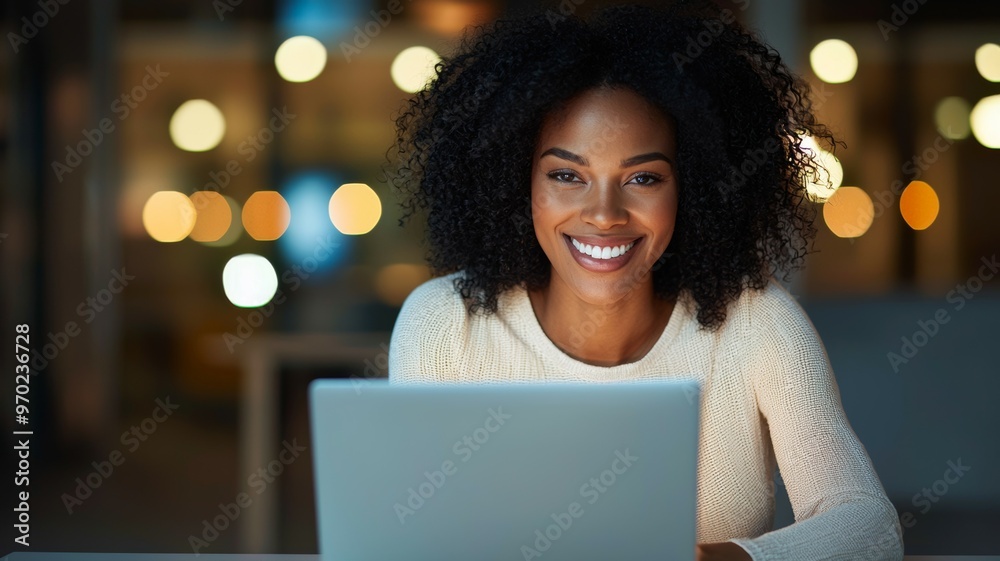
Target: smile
[[601, 258], [598, 252]]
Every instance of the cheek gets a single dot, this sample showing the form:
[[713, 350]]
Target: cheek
[[544, 207], [539, 213], [670, 212], [663, 216], [668, 207]]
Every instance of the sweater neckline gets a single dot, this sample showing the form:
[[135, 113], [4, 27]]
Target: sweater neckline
[[593, 372]]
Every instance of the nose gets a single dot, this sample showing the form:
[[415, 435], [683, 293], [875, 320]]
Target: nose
[[604, 205]]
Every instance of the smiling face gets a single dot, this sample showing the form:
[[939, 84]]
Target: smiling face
[[604, 192]]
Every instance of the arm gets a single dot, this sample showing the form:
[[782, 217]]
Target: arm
[[841, 510]]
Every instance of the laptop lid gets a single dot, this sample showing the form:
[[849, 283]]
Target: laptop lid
[[562, 471]]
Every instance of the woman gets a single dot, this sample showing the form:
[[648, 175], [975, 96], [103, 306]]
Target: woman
[[605, 204]]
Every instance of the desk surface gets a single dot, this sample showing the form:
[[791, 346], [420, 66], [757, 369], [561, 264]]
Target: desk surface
[[39, 556]]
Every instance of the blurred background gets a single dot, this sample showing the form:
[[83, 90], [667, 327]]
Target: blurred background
[[195, 223]]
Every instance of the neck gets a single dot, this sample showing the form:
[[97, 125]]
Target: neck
[[602, 335]]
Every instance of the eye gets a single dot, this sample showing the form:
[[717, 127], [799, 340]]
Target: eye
[[646, 179], [563, 176]]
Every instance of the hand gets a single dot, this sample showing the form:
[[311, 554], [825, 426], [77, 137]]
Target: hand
[[725, 551]]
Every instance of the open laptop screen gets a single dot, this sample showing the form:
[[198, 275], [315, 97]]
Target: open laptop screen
[[520, 471]]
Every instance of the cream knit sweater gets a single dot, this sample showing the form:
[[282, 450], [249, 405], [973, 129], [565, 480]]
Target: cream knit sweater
[[768, 395]]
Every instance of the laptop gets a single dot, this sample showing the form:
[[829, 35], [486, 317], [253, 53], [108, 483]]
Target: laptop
[[549, 471]]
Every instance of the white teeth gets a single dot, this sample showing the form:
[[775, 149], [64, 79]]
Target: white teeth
[[598, 252]]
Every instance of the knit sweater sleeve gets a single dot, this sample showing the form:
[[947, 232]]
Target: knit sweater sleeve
[[841, 509], [427, 339]]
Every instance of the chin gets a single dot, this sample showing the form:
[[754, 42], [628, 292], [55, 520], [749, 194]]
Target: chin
[[602, 292]]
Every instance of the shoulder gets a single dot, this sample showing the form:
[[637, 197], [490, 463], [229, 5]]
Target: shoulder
[[769, 313], [433, 307], [428, 333], [435, 298], [775, 337]]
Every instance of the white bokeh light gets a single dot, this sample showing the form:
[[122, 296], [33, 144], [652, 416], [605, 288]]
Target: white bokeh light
[[197, 126], [988, 61], [249, 280], [834, 61], [413, 68], [985, 120], [829, 176], [300, 59]]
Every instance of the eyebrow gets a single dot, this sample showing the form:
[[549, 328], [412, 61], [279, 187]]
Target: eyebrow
[[633, 161]]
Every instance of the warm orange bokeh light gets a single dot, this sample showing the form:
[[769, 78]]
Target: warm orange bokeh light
[[849, 212], [214, 216], [168, 216], [355, 209], [266, 215], [919, 205], [450, 17]]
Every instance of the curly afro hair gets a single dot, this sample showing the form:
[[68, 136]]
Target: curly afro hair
[[465, 145]]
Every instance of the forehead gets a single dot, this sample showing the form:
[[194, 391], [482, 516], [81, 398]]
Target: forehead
[[607, 120]]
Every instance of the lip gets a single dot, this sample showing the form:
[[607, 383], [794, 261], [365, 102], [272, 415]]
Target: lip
[[603, 241], [602, 265]]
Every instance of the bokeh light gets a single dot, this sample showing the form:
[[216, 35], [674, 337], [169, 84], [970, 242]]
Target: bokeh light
[[834, 61], [988, 61], [985, 119], [311, 240], [355, 208], [393, 283], [197, 126], [413, 68], [919, 205], [300, 59], [214, 216], [451, 17], [235, 229], [829, 175], [249, 280], [318, 18], [168, 216], [952, 118], [266, 215], [849, 212]]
